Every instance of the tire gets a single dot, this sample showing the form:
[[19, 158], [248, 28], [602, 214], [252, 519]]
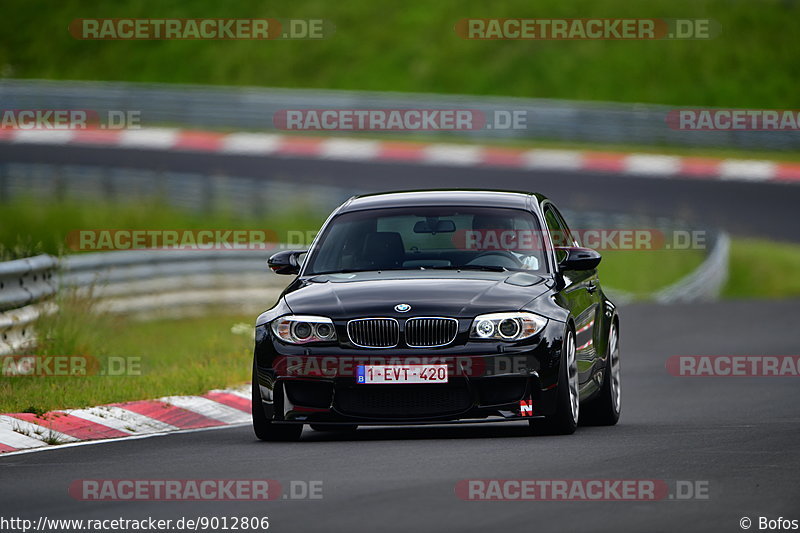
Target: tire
[[604, 410], [264, 428], [565, 420], [334, 429]]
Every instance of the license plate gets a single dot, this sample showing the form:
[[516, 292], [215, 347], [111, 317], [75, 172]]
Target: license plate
[[389, 374]]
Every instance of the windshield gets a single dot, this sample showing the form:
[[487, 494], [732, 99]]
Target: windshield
[[414, 238]]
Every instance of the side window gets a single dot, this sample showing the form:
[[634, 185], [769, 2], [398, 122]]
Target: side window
[[567, 233], [559, 233]]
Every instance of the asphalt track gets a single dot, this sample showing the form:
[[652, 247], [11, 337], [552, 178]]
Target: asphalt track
[[742, 208], [738, 435]]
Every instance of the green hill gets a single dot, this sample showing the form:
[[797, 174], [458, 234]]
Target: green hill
[[412, 46]]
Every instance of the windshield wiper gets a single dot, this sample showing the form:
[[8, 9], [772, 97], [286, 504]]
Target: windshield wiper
[[484, 268], [356, 270]]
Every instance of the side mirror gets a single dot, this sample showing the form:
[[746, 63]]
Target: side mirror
[[574, 258], [286, 262]]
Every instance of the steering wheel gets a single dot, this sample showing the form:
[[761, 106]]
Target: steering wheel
[[505, 256]]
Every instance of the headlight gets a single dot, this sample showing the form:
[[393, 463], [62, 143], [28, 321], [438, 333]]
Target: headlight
[[507, 326], [301, 329]]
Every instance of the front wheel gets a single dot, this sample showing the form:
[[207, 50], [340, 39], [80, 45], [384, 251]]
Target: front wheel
[[604, 410], [263, 427], [565, 420]]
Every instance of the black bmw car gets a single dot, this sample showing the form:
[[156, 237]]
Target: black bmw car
[[431, 307]]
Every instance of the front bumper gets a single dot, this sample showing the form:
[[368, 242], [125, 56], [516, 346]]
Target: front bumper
[[487, 382]]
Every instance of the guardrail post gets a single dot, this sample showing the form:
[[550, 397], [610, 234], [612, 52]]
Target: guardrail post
[[3, 183], [26, 286]]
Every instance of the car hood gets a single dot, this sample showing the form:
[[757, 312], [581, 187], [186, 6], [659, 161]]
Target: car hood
[[453, 294]]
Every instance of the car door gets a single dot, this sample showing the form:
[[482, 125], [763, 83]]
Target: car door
[[580, 295]]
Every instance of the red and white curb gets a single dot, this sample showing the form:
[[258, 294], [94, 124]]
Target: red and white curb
[[346, 149], [27, 431]]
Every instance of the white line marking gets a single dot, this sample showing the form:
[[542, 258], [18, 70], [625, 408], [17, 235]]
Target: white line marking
[[440, 153], [452, 154], [747, 170], [163, 138], [243, 392], [35, 431], [121, 419], [9, 437], [251, 143], [31, 437], [349, 149], [208, 408], [119, 439], [555, 159], [589, 343], [660, 165], [43, 136]]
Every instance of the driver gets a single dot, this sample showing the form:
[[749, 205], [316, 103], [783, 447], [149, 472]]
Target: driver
[[505, 232]]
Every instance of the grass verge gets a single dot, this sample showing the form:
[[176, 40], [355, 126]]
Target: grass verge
[[641, 272], [763, 269], [128, 360], [30, 226]]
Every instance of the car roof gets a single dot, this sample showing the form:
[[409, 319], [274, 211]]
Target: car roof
[[460, 197]]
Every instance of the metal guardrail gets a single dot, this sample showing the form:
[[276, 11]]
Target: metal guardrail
[[25, 287], [704, 283], [707, 281], [149, 284], [252, 108], [185, 190]]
